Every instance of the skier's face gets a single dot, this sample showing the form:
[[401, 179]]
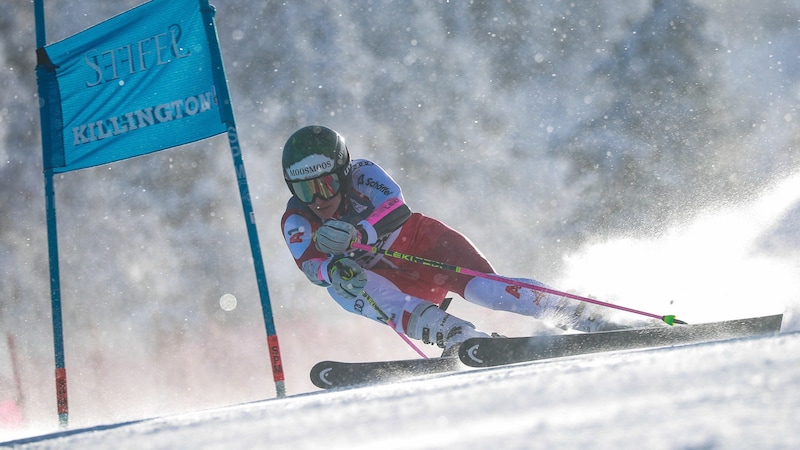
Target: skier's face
[[325, 209]]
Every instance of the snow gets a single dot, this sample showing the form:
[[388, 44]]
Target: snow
[[740, 393], [509, 112]]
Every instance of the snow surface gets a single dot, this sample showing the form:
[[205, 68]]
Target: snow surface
[[129, 257], [742, 393]]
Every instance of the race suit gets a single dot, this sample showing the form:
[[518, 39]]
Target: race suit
[[396, 285]]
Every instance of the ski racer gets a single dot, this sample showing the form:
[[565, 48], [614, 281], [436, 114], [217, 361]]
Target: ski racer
[[337, 201]]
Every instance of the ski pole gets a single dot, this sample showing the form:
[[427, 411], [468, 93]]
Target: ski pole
[[391, 323], [670, 319]]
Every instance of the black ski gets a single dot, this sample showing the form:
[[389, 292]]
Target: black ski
[[486, 352], [333, 374]]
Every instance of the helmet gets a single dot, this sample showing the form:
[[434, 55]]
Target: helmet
[[316, 163]]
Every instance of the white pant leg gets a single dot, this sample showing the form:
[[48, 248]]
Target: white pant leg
[[501, 296], [386, 295], [558, 310]]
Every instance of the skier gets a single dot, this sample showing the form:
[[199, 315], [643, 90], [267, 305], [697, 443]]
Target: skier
[[336, 202]]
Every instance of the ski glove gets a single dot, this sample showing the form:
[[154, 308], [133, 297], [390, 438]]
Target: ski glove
[[347, 277], [334, 237]]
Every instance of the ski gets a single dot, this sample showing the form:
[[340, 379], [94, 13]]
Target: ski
[[487, 352], [334, 374]]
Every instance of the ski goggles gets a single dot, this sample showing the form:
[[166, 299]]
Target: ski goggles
[[325, 187]]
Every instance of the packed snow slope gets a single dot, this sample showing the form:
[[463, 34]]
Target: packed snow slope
[[644, 153], [741, 393]]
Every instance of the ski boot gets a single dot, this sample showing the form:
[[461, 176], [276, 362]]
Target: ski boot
[[434, 326]]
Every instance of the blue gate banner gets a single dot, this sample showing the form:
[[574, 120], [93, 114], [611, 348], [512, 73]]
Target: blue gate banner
[[140, 82]]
